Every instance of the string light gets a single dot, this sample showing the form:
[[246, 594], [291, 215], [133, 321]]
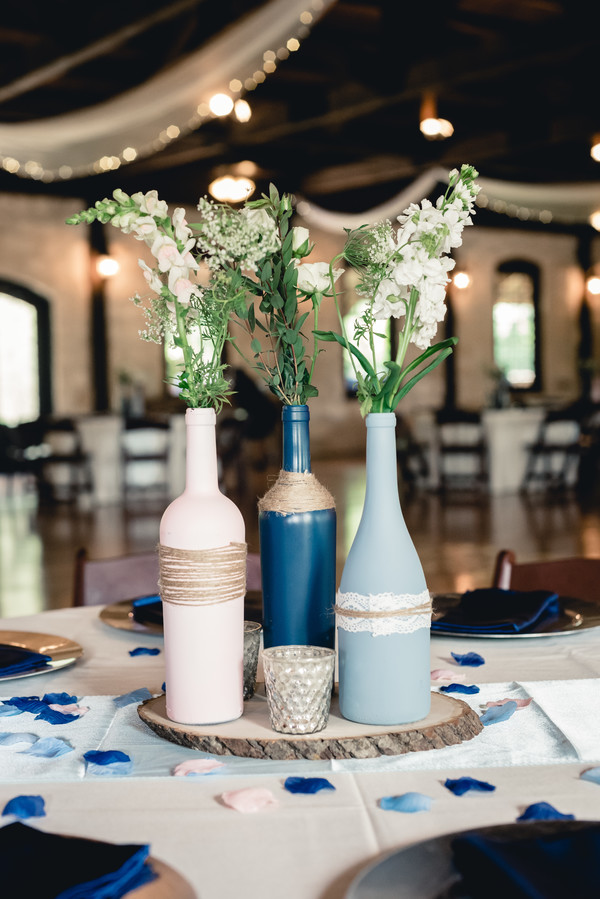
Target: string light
[[271, 57], [524, 213]]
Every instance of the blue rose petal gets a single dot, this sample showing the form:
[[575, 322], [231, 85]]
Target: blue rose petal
[[25, 807], [10, 739], [459, 688], [49, 748], [497, 713], [307, 784], [144, 651], [134, 696], [592, 774], [468, 658], [110, 762], [543, 811], [463, 784], [406, 802]]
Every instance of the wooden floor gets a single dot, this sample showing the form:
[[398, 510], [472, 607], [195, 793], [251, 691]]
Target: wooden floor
[[457, 537]]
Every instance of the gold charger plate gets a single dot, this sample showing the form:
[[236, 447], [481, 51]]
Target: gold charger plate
[[120, 615], [62, 651]]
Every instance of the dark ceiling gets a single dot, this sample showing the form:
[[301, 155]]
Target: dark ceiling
[[337, 122]]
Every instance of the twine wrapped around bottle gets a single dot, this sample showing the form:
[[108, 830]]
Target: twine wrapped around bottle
[[296, 491], [202, 576]]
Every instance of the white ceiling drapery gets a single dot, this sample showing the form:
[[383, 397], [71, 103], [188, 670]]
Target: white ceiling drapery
[[78, 140], [559, 203]]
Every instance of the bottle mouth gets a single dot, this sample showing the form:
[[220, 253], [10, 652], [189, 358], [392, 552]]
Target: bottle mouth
[[295, 413], [381, 419], [200, 417]]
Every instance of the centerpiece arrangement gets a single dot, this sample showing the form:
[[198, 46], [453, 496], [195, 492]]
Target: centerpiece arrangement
[[383, 604], [260, 296]]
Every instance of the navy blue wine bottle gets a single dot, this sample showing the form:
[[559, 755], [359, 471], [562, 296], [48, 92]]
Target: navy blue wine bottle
[[297, 529]]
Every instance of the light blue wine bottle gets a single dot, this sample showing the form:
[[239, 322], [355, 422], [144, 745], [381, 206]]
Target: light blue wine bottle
[[384, 661]]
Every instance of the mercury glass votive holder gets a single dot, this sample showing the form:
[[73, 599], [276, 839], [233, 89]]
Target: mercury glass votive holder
[[298, 683], [252, 634]]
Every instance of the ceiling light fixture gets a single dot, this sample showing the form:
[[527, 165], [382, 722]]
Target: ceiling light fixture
[[231, 189], [431, 126], [243, 110], [220, 104]]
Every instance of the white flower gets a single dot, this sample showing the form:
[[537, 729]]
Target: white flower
[[181, 286], [180, 225], [150, 204], [151, 277], [313, 277], [388, 301], [300, 236], [258, 219]]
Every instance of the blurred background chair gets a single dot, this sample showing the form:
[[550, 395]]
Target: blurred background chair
[[577, 577], [553, 459], [462, 449], [64, 469], [106, 581], [145, 456]]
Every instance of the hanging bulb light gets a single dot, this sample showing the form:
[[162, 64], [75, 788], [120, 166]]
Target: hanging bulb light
[[431, 126]]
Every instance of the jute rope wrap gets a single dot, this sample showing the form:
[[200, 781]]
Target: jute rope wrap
[[202, 576], [383, 613], [296, 491]]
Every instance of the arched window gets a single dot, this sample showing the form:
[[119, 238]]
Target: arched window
[[25, 388], [516, 324]]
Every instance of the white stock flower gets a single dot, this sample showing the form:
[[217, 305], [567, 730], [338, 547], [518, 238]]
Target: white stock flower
[[258, 219], [313, 277], [388, 301], [151, 277], [150, 204], [180, 225], [181, 286]]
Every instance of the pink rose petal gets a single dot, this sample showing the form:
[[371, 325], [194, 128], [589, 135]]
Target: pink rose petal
[[196, 766], [446, 674], [71, 709], [252, 799], [521, 703]]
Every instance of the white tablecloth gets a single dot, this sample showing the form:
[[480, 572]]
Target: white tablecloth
[[306, 846]]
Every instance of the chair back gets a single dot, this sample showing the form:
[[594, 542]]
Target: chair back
[[105, 581], [577, 577]]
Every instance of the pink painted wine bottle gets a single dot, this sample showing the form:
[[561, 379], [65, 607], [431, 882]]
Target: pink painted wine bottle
[[202, 556]]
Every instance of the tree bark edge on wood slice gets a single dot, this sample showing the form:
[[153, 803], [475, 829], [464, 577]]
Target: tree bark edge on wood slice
[[450, 722]]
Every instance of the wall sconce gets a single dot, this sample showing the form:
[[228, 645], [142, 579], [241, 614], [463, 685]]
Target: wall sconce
[[592, 285], [432, 127], [106, 266], [594, 220], [461, 280], [595, 148]]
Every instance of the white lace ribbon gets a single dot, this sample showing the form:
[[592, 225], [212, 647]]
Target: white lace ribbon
[[383, 613]]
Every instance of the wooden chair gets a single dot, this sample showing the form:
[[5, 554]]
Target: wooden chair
[[106, 581], [578, 577], [553, 458]]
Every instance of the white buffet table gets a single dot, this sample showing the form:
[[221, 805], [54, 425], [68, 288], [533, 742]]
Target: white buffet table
[[306, 846]]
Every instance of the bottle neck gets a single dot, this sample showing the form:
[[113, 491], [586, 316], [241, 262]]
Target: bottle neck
[[382, 465], [296, 438], [201, 467]]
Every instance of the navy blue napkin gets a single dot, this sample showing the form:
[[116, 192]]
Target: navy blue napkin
[[553, 865], [15, 660], [148, 610], [52, 866], [490, 610]]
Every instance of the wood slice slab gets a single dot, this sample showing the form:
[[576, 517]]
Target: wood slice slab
[[449, 722]]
